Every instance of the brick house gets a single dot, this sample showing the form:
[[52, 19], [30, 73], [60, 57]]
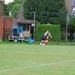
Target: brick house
[[5, 27], [1, 28]]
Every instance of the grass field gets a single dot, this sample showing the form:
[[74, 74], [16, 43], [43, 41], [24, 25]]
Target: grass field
[[32, 59]]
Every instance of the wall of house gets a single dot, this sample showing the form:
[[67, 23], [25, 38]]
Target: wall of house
[[8, 27], [8, 23], [1, 28], [69, 5], [5, 27]]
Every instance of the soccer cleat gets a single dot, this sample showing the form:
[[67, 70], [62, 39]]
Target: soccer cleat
[[40, 43]]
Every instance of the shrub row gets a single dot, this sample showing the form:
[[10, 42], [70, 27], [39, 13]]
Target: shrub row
[[54, 30]]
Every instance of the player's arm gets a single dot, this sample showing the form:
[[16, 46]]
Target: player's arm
[[50, 35]]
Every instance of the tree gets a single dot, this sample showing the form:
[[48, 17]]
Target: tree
[[71, 29], [72, 24], [8, 8], [47, 11], [13, 7]]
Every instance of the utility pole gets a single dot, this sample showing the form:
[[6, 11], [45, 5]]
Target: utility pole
[[2, 8], [3, 15], [34, 25], [67, 28]]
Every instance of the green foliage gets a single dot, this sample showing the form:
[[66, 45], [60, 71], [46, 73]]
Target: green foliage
[[71, 28], [54, 30], [18, 1], [72, 24], [13, 7], [47, 11], [74, 36]]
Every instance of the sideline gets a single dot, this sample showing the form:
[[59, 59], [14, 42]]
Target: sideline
[[41, 65]]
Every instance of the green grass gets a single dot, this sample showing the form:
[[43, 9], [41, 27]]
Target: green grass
[[33, 59]]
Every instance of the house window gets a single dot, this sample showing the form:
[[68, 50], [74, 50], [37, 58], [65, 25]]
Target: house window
[[73, 3], [73, 11], [26, 27]]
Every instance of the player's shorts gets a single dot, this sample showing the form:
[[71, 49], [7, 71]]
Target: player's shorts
[[46, 38], [43, 38]]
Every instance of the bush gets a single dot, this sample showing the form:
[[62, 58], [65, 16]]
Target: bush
[[54, 30], [74, 36]]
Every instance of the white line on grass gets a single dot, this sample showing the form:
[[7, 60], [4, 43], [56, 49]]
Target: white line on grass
[[54, 63]]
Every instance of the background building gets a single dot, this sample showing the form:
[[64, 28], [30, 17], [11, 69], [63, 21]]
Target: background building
[[70, 5]]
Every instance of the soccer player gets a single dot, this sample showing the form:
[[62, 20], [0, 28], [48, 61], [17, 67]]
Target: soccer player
[[45, 38]]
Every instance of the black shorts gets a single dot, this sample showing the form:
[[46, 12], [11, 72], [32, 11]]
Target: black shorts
[[44, 38]]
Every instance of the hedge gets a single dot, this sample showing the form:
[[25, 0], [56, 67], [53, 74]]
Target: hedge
[[54, 30]]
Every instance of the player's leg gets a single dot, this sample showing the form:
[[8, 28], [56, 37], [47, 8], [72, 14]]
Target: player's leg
[[42, 42]]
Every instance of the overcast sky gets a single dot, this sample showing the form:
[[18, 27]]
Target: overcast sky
[[8, 1]]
